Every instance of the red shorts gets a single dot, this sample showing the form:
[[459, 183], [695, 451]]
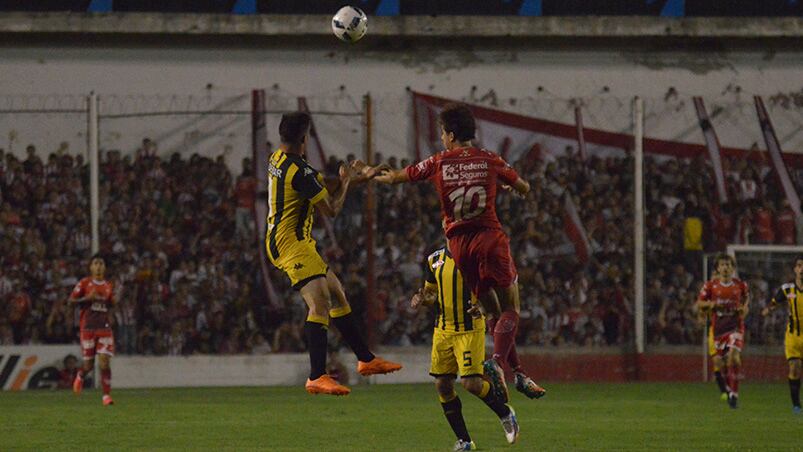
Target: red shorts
[[730, 340], [100, 340], [483, 258]]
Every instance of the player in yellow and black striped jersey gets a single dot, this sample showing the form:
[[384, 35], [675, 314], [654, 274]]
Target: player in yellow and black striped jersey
[[458, 346], [294, 188], [790, 295]]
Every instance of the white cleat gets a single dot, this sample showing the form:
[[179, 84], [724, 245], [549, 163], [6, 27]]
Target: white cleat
[[511, 426]]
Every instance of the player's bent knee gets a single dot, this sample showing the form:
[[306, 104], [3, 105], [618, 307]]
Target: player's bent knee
[[472, 385], [444, 386]]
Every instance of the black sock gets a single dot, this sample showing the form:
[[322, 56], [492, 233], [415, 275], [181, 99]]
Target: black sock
[[316, 345], [794, 391], [351, 334], [453, 410], [496, 404], [721, 382]]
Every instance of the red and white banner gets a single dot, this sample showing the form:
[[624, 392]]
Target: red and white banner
[[574, 230], [259, 146], [712, 143], [521, 134], [776, 157]]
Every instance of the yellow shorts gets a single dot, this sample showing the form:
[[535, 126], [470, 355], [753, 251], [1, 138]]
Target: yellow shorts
[[793, 345], [301, 262], [457, 353]]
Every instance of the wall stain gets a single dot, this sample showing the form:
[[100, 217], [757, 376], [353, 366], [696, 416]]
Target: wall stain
[[698, 58]]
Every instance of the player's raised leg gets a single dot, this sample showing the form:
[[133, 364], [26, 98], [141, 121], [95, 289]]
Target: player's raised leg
[[316, 294], [482, 389], [795, 365], [345, 322]]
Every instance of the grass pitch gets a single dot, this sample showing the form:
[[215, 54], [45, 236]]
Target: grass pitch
[[573, 417]]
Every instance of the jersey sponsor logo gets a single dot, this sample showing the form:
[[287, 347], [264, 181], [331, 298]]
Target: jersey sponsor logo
[[99, 307], [298, 266], [465, 171], [450, 172], [438, 263]]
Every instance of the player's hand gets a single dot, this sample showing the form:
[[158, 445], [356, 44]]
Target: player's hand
[[512, 191], [418, 299], [476, 310]]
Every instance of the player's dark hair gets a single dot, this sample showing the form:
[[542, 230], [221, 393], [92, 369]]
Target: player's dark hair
[[724, 257], [458, 119], [798, 258], [294, 127], [97, 256]]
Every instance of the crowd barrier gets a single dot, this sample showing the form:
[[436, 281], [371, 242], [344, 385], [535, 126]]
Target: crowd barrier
[[37, 367]]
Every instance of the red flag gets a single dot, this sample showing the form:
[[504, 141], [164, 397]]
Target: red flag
[[581, 140], [712, 143], [574, 229], [776, 156]]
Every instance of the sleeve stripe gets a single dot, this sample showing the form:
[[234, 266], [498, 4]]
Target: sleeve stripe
[[321, 194]]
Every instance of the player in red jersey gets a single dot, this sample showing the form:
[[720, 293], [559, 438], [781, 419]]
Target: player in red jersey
[[95, 297], [728, 300], [466, 178]]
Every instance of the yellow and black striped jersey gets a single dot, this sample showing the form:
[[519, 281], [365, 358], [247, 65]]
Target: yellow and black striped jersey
[[791, 296], [454, 297], [293, 188]]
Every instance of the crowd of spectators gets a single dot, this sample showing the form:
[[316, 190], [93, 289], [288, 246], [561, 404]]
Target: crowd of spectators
[[181, 247]]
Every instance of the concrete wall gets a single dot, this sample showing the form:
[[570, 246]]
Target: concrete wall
[[531, 75]]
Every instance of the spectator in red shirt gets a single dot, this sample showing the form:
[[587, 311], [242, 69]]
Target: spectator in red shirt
[[763, 222], [785, 225]]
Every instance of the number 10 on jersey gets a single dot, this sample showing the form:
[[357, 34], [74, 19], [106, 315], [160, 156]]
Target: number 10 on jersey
[[464, 206]]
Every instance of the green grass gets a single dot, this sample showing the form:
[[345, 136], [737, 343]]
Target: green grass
[[573, 417]]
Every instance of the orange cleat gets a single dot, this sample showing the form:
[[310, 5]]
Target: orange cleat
[[326, 385], [77, 385], [377, 366], [107, 400]]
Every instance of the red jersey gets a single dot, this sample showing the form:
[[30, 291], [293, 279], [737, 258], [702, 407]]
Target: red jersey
[[466, 181], [728, 298], [95, 314]]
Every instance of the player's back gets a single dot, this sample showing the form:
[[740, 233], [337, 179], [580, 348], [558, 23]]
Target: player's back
[[293, 189], [466, 179]]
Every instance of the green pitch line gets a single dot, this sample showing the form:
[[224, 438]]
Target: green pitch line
[[573, 417]]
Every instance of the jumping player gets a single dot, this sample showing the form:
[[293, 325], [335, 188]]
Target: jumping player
[[466, 179], [95, 297], [458, 347], [294, 188], [791, 296], [728, 300]]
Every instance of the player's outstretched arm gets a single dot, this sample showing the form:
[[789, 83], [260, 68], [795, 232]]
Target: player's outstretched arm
[[391, 176], [333, 204]]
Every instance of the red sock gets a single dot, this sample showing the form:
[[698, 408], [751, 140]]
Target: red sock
[[513, 356], [106, 380], [733, 379], [505, 335]]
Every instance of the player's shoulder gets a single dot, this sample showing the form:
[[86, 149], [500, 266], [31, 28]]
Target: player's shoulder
[[84, 281], [437, 255], [740, 282]]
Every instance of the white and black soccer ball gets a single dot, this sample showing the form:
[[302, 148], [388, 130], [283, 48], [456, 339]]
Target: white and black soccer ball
[[350, 24]]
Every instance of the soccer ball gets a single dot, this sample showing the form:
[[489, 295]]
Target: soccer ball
[[349, 24]]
